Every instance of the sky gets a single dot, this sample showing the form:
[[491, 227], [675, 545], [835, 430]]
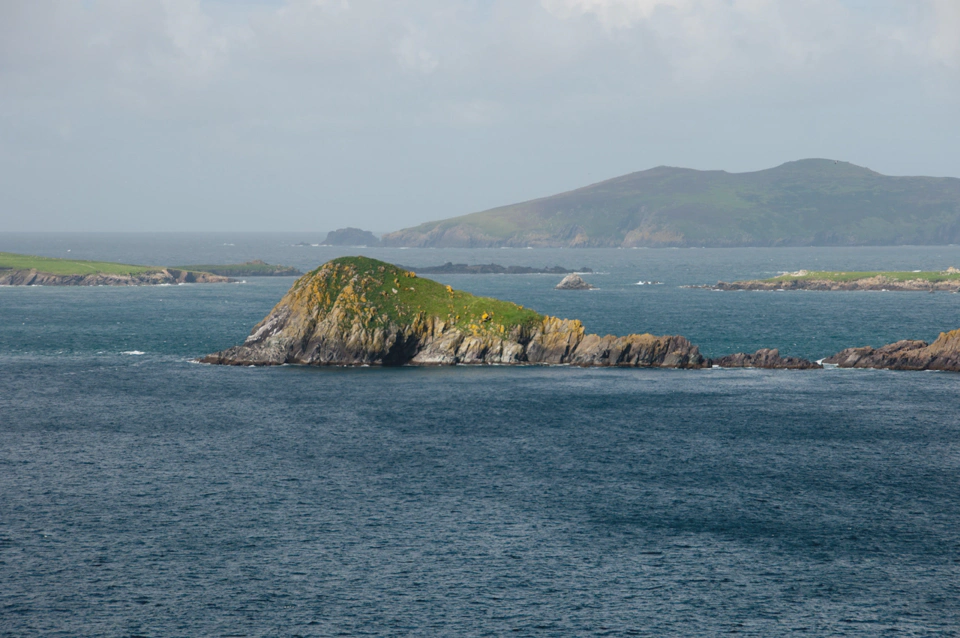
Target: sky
[[310, 115]]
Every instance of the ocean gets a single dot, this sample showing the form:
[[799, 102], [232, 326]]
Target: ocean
[[143, 494]]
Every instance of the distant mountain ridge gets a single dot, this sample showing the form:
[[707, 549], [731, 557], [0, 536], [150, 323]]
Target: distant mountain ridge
[[803, 203]]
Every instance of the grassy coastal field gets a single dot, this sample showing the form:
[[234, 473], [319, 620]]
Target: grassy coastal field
[[377, 288], [56, 266], [72, 267]]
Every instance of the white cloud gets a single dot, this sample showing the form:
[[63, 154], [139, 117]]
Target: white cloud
[[612, 13], [413, 54]]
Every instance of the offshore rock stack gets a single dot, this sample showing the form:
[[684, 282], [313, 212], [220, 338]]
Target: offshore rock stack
[[573, 281]]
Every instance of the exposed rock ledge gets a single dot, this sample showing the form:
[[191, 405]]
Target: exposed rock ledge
[[942, 354], [877, 283], [359, 311], [34, 277], [765, 358]]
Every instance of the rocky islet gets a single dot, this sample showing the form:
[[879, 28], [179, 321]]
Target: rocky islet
[[360, 311], [573, 281]]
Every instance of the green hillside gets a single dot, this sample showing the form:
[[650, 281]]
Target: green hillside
[[55, 266], [381, 293], [808, 202]]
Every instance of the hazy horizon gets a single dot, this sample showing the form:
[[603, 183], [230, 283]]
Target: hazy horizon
[[312, 115]]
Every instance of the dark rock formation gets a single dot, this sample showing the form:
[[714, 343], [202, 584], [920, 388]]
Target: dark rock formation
[[356, 311], [573, 282], [351, 237], [34, 277], [764, 358], [451, 268], [942, 354]]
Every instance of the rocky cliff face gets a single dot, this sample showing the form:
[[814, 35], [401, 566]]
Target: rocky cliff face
[[356, 311], [163, 276], [942, 354]]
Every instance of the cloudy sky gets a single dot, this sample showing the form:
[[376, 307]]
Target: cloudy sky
[[308, 115]]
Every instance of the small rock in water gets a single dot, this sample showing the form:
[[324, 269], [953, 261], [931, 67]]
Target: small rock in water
[[764, 358], [573, 281]]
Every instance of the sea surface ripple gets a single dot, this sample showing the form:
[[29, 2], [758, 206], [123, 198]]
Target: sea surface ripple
[[142, 494]]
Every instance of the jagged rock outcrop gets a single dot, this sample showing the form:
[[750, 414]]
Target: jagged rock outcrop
[[942, 354], [35, 277], [765, 358], [573, 281], [360, 311]]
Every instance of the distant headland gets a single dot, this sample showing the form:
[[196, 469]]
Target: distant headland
[[811, 202]]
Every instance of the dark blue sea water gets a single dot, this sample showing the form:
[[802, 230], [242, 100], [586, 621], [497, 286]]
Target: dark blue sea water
[[143, 494]]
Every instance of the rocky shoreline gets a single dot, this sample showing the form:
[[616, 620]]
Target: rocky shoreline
[[33, 277]]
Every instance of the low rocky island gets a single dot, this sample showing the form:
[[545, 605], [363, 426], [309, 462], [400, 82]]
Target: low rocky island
[[360, 311], [917, 281], [765, 358], [451, 268], [255, 268], [30, 270], [573, 282], [942, 354]]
